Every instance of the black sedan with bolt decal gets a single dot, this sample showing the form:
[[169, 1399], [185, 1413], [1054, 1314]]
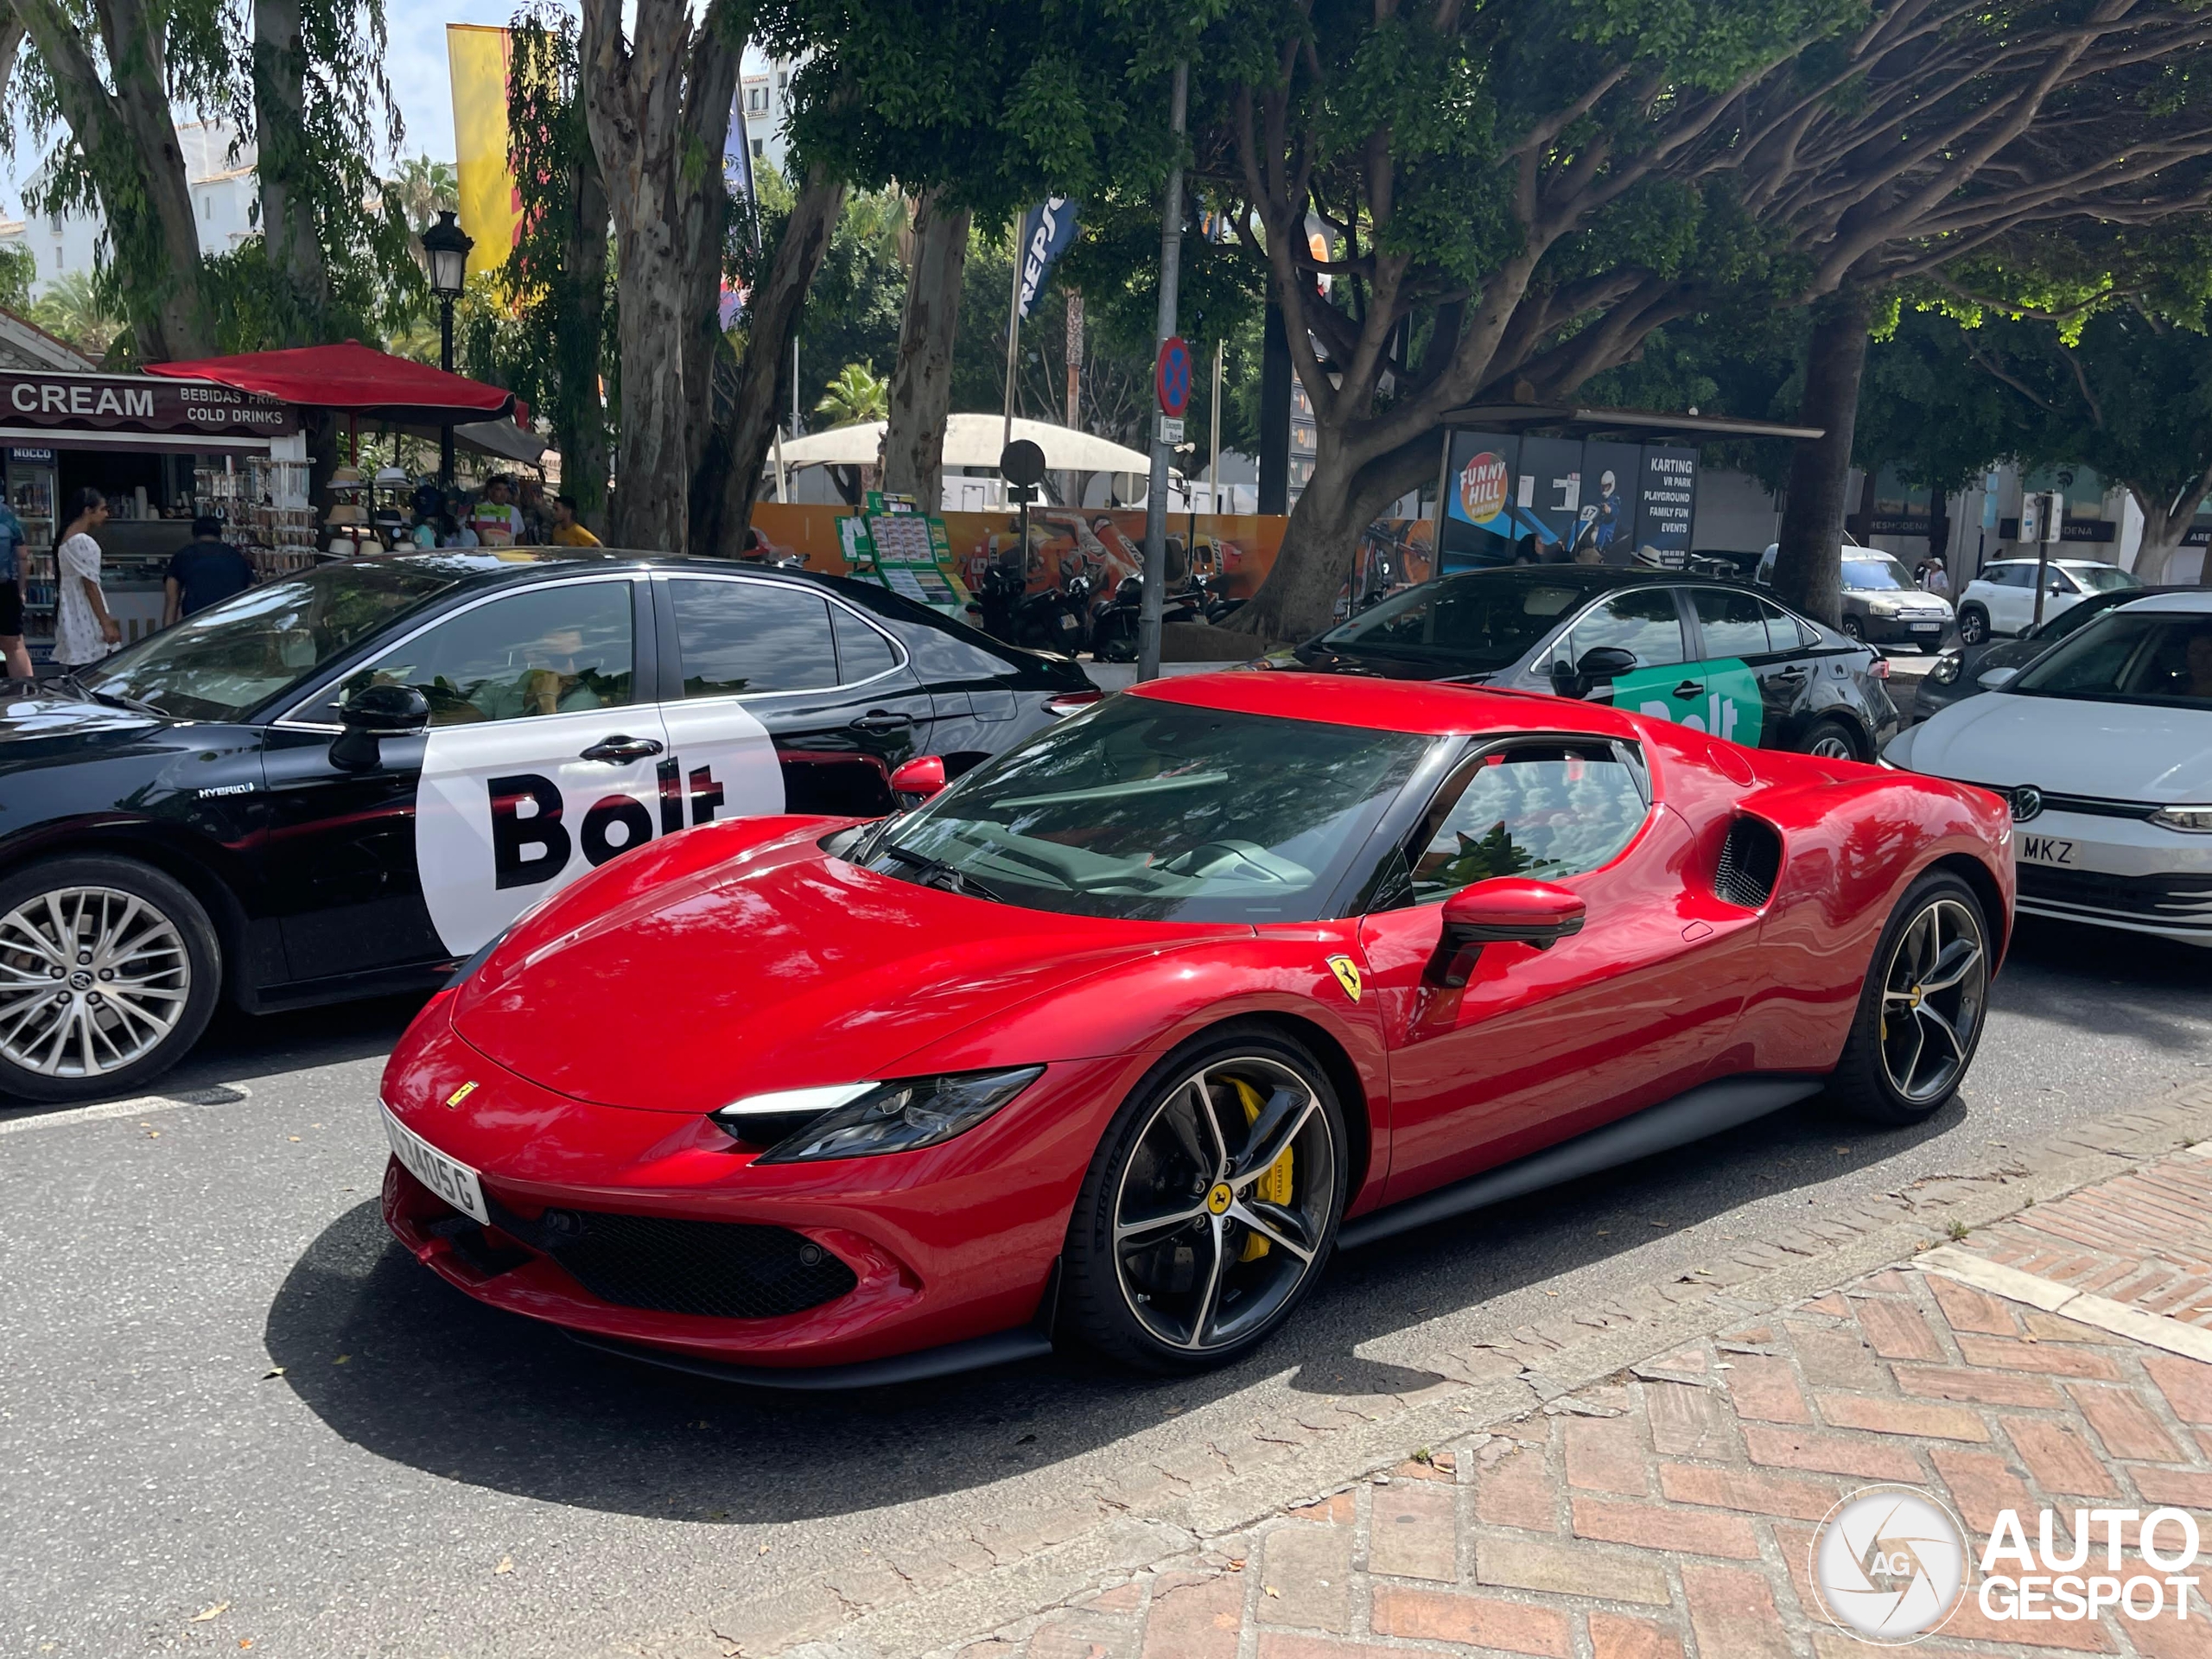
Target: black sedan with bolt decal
[[340, 784]]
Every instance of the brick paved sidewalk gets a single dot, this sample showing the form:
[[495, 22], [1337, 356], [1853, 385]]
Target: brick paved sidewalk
[[1669, 1511]]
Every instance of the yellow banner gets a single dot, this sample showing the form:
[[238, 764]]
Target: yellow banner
[[478, 58]]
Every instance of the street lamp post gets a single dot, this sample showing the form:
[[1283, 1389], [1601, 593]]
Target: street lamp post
[[447, 246]]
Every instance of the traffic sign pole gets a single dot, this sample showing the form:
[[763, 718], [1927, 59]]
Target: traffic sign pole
[[1155, 506]]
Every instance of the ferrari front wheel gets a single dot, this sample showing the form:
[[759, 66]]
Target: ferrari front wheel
[[1210, 1206], [1920, 1009]]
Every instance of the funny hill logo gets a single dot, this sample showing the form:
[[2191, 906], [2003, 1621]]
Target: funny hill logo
[[1891, 1565]]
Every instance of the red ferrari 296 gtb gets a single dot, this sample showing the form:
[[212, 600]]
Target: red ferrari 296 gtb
[[1118, 1037]]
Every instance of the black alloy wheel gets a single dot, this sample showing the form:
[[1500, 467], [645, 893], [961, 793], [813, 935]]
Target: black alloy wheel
[[1855, 628], [1211, 1206], [1830, 739], [1921, 1008]]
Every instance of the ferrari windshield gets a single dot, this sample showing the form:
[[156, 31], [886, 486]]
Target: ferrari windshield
[[2159, 657], [234, 657], [1481, 620], [1153, 812]]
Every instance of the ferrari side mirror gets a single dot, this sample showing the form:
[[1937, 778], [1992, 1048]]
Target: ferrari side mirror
[[1509, 910], [372, 714], [921, 777]]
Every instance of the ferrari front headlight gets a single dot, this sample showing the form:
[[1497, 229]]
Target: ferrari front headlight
[[2190, 820], [865, 1120]]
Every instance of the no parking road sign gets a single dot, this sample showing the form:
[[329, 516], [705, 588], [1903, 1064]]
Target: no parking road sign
[[1171, 378]]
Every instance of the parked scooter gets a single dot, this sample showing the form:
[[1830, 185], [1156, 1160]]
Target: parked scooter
[[1054, 618], [1114, 636], [999, 594]]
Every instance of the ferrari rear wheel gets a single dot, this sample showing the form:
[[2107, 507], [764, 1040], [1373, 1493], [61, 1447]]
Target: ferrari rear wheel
[[1212, 1204], [1921, 1011]]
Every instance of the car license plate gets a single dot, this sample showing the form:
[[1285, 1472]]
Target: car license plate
[[1928, 628], [2045, 849], [455, 1183]]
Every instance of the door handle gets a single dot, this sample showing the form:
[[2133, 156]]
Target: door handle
[[618, 749], [881, 720], [1689, 689]]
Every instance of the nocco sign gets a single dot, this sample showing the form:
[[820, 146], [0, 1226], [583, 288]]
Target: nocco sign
[[1891, 1566], [145, 403]]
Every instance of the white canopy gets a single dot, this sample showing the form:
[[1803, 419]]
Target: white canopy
[[970, 441]]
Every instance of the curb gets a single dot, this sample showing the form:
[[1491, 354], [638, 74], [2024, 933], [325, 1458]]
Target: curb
[[1150, 1515]]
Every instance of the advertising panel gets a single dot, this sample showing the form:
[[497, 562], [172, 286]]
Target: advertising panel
[[1667, 494], [1605, 531], [1549, 491], [1479, 525]]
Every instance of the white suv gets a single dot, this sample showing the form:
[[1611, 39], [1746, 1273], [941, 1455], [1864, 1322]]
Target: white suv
[[2002, 599]]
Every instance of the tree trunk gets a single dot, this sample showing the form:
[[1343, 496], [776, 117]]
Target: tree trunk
[[288, 217], [1808, 570], [130, 143], [777, 301], [581, 417], [2166, 520], [632, 107], [710, 86], [1341, 499], [921, 383]]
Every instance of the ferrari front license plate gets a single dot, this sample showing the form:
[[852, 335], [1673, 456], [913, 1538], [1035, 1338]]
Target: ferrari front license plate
[[2046, 850], [455, 1183]]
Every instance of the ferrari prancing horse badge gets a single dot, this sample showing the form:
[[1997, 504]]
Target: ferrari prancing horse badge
[[1347, 973]]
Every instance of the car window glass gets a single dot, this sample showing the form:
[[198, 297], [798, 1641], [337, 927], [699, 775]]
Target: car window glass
[[2012, 575], [863, 653], [1479, 619], [235, 655], [2158, 658], [1644, 622], [739, 637], [1874, 573], [1542, 811], [1783, 631], [2105, 578], [553, 650], [1733, 623]]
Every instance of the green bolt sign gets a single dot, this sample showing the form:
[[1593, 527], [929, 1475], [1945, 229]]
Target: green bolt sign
[[1731, 706]]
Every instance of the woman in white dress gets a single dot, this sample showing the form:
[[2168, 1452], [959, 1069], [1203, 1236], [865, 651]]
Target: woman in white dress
[[84, 630]]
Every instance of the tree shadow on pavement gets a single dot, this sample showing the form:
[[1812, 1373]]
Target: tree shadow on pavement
[[436, 1381]]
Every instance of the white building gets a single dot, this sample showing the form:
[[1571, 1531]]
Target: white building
[[764, 102], [224, 196]]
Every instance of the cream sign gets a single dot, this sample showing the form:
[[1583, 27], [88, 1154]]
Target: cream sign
[[143, 401]]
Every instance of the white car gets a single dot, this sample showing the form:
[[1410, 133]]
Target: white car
[[2002, 599], [1881, 606], [2103, 745]]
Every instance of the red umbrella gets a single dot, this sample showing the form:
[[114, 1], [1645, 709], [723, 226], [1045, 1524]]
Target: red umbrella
[[358, 379]]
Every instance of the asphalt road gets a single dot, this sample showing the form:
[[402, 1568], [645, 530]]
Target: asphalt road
[[225, 1388]]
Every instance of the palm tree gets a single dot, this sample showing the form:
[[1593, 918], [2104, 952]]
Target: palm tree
[[74, 309], [857, 394], [421, 189]]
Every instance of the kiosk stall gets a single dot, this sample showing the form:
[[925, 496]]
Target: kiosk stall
[[155, 447]]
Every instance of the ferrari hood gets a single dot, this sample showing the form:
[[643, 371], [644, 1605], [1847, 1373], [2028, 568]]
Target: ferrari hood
[[2111, 751], [781, 971]]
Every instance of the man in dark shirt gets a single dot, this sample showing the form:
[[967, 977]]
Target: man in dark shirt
[[206, 571]]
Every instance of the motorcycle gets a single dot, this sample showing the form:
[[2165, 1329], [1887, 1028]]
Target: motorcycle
[[1114, 636], [999, 595], [1054, 618]]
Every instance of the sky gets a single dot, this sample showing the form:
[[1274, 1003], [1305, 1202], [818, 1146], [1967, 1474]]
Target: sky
[[415, 63]]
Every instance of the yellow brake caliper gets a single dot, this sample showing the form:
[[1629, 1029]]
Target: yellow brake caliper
[[1274, 1186]]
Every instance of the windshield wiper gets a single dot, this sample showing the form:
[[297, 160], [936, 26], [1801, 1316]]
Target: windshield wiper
[[960, 881], [116, 700]]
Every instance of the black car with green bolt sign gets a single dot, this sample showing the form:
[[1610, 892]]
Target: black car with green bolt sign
[[1709, 654]]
